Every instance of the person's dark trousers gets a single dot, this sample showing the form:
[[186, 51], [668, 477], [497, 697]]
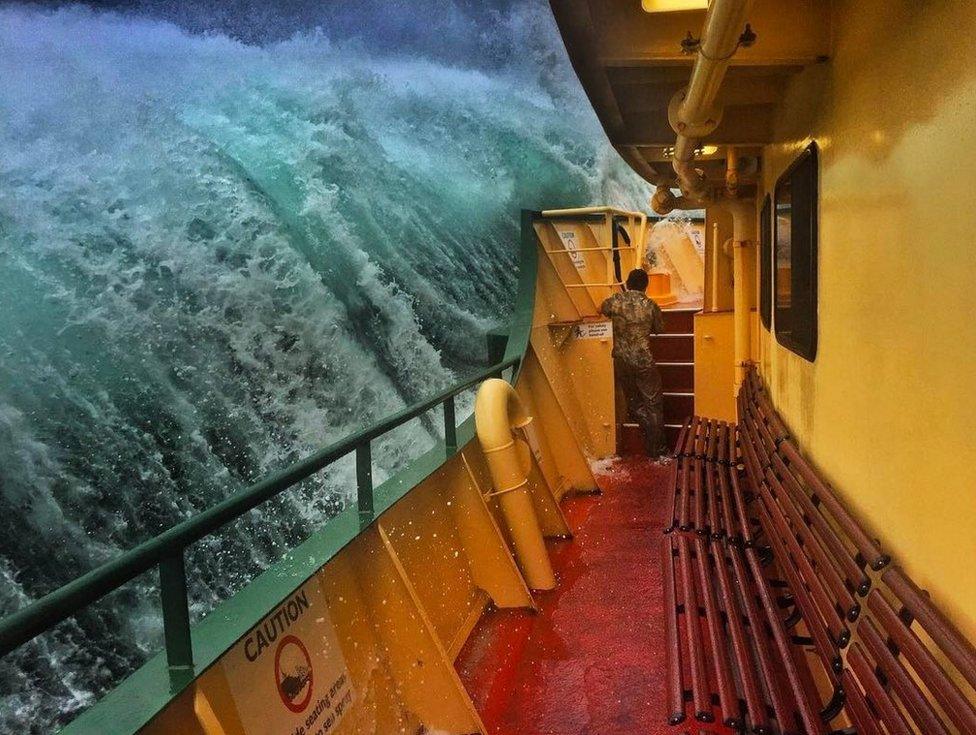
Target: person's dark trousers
[[641, 385]]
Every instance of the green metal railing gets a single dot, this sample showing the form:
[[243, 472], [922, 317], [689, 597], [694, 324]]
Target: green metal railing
[[149, 689], [167, 550]]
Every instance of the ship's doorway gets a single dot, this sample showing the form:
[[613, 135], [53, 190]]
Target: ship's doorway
[[675, 262]]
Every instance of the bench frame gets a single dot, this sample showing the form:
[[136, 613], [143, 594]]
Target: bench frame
[[784, 615]]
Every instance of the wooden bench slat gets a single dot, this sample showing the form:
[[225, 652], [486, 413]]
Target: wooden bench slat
[[821, 597], [672, 502], [945, 690], [825, 564], [689, 447], [726, 502], [761, 399], [684, 515], [857, 708], [716, 634], [676, 689], [693, 635], [679, 446], [782, 709], [742, 650], [853, 574], [868, 548], [956, 648], [890, 715], [698, 494], [715, 526], [700, 438], [763, 433], [808, 713], [899, 680], [825, 646], [738, 498], [723, 443], [762, 453], [711, 451]]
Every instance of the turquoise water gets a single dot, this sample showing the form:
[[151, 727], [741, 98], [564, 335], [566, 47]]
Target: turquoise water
[[220, 250]]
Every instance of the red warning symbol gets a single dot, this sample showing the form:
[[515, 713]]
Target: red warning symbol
[[293, 673]]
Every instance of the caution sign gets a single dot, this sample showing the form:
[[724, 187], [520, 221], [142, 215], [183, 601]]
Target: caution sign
[[593, 330], [293, 672], [572, 246], [287, 675]]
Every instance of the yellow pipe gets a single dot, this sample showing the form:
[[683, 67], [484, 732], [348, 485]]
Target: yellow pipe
[[715, 253], [743, 235], [732, 171], [497, 412], [693, 112], [740, 320]]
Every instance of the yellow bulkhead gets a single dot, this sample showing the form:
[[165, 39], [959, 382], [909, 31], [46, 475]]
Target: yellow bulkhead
[[888, 408], [392, 610]]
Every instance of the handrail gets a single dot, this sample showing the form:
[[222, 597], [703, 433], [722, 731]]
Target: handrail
[[640, 217], [166, 549]]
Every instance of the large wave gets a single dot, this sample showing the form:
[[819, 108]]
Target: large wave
[[220, 251]]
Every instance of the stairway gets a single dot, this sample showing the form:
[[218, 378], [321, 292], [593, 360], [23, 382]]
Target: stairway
[[674, 350]]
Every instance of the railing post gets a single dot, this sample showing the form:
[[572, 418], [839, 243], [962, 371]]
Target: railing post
[[176, 615], [450, 428], [364, 484], [497, 342]]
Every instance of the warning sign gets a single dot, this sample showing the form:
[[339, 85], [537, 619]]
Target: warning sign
[[294, 674], [593, 330], [287, 675], [572, 246]]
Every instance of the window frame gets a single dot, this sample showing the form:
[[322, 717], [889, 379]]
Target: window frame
[[806, 345], [766, 247]]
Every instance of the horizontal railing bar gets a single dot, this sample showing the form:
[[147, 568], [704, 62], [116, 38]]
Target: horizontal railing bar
[[25, 624], [593, 285], [578, 211], [588, 250]]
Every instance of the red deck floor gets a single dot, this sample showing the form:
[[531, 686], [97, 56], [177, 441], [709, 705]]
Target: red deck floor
[[592, 660]]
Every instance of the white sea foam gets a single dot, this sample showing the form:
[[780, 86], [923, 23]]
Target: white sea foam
[[217, 256]]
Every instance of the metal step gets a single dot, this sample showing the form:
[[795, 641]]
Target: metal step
[[678, 377], [678, 321], [671, 348], [678, 407]]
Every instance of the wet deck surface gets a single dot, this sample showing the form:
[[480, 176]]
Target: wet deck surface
[[592, 660]]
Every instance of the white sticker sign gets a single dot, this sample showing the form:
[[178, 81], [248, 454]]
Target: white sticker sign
[[572, 245], [593, 330], [287, 675]]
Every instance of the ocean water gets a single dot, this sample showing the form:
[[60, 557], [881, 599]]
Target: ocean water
[[229, 234]]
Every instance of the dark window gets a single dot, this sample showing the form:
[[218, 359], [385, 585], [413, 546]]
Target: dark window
[[795, 264], [766, 262]]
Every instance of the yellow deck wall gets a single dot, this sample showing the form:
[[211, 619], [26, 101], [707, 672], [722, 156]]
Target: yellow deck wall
[[888, 410]]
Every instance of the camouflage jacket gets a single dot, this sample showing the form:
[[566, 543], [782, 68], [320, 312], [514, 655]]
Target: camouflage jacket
[[635, 317]]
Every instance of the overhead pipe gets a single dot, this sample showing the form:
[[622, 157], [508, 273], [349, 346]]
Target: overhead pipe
[[663, 201], [498, 413], [692, 112], [731, 171]]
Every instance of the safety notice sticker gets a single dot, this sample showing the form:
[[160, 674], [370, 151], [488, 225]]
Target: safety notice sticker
[[288, 675], [572, 247], [593, 330]]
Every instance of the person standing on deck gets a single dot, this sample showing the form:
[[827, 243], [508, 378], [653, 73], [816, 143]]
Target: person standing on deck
[[635, 318]]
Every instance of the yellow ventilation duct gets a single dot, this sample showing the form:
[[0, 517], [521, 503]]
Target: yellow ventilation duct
[[498, 413]]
